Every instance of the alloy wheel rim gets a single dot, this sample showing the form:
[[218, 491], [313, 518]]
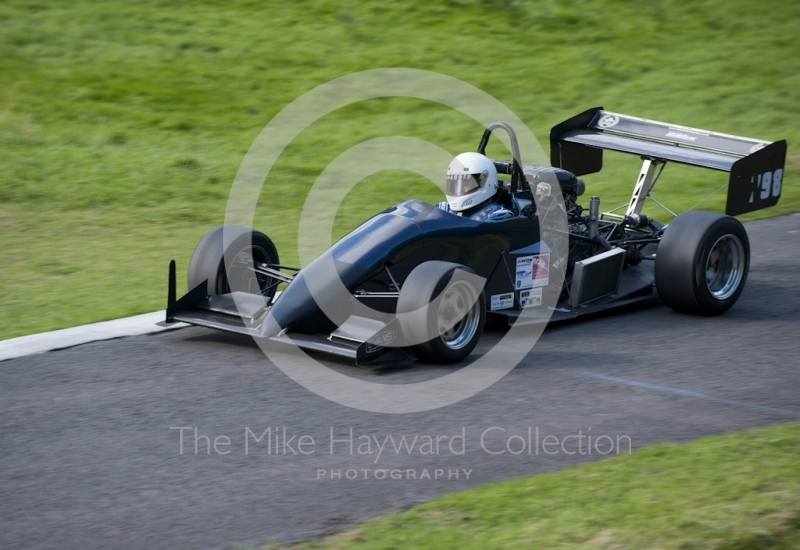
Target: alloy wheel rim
[[240, 271], [725, 267], [459, 315]]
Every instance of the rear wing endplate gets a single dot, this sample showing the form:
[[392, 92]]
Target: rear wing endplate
[[755, 166]]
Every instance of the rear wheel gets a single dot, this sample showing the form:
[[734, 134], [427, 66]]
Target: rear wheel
[[247, 248], [702, 263], [446, 311]]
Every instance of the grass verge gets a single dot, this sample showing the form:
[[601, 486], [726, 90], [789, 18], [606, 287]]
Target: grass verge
[[122, 125], [739, 491]]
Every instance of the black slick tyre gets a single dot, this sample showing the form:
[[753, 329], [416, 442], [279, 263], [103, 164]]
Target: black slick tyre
[[702, 263], [230, 269], [442, 310]]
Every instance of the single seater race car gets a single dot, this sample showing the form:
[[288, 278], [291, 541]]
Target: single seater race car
[[422, 279]]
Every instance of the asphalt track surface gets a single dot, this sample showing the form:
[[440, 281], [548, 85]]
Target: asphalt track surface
[[88, 459]]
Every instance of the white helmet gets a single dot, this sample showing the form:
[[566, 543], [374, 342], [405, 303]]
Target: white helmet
[[471, 179]]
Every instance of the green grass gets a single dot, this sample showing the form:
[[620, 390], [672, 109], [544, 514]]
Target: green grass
[[739, 491], [122, 125]]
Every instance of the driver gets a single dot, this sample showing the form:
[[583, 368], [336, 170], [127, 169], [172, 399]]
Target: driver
[[472, 189]]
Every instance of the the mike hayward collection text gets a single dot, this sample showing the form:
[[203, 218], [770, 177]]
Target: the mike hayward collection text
[[493, 440]]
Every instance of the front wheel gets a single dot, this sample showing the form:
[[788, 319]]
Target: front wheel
[[702, 263], [232, 268], [442, 307]]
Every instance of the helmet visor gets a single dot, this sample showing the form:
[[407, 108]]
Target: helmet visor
[[459, 185]]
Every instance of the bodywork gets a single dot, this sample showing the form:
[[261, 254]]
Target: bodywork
[[609, 262]]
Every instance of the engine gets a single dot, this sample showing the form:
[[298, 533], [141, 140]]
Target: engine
[[541, 179]]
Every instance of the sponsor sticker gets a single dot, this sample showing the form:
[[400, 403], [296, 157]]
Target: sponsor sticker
[[502, 301], [678, 135], [608, 121], [533, 271], [380, 341], [530, 298], [690, 130]]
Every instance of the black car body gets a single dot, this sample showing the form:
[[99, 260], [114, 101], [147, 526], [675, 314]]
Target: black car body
[[698, 263]]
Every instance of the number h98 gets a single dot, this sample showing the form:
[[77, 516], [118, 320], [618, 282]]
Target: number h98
[[770, 183]]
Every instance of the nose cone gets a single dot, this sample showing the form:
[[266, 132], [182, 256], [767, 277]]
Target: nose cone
[[299, 310], [320, 298]]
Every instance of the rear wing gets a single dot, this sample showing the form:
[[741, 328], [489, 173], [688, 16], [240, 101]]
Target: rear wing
[[755, 166]]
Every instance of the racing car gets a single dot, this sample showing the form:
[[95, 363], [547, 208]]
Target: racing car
[[420, 280]]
